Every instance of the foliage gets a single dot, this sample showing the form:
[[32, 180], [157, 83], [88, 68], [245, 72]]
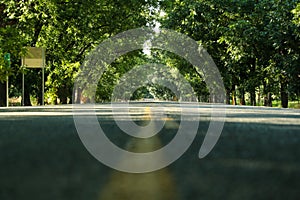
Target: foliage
[[296, 13], [68, 29], [60, 82], [255, 44]]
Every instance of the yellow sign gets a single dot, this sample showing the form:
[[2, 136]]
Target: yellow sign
[[35, 57]]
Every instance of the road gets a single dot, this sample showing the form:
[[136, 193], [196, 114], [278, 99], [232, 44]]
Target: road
[[256, 157]]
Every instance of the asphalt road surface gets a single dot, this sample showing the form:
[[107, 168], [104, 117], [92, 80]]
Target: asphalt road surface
[[256, 157]]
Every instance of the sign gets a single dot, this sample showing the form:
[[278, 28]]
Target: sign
[[35, 57], [7, 57]]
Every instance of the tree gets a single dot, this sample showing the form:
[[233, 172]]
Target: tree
[[285, 52], [295, 79], [10, 42], [254, 43], [69, 30]]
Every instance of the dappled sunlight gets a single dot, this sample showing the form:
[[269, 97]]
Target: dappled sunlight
[[157, 185]]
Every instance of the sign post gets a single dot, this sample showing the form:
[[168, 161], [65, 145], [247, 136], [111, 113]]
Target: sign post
[[23, 85], [43, 75], [7, 61], [35, 58]]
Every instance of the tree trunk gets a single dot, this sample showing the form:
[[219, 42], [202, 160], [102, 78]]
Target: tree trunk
[[253, 98], [39, 96], [63, 94], [40, 88], [2, 94], [284, 95], [269, 100], [252, 81], [27, 101], [242, 97], [227, 96], [233, 95], [77, 96], [267, 95]]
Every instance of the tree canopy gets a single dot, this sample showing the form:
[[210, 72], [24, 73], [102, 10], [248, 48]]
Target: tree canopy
[[255, 45]]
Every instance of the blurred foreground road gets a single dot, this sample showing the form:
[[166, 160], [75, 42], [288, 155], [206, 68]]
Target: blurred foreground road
[[256, 157]]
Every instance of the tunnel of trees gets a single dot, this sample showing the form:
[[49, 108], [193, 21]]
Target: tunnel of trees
[[255, 45]]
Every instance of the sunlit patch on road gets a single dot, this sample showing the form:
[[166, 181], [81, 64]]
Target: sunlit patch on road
[[157, 185]]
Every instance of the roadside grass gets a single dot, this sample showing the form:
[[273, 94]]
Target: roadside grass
[[292, 104]]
